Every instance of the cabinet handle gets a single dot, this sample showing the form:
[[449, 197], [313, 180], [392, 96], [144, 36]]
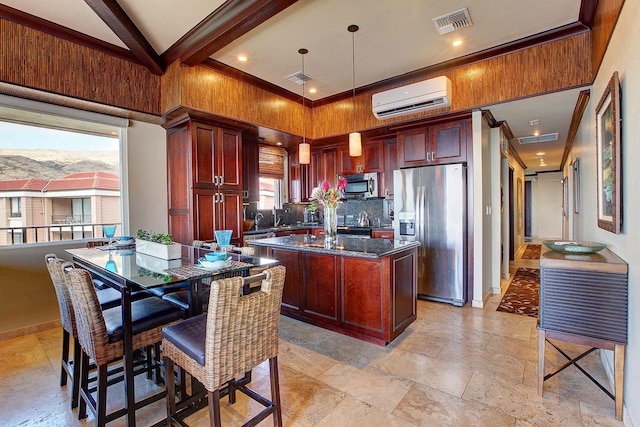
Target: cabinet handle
[[215, 180], [221, 197], [428, 156], [221, 180], [386, 192], [433, 156]]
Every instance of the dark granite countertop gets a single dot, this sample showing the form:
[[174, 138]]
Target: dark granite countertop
[[303, 227], [345, 246]]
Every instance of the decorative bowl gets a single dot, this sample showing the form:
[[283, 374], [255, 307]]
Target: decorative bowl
[[125, 240], [568, 247], [214, 265], [216, 256]]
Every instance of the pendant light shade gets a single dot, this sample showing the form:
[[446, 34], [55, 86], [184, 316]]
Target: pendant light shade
[[355, 141], [355, 144], [304, 153], [304, 149]]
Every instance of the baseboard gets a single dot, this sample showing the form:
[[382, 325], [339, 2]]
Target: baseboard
[[26, 330], [480, 304]]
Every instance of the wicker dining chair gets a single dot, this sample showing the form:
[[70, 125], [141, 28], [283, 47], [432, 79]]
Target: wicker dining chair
[[67, 317], [237, 333], [100, 334]]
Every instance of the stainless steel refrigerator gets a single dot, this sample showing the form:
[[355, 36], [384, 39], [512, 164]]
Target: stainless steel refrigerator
[[430, 207]]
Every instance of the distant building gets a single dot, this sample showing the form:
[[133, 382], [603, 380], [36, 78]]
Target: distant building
[[76, 200]]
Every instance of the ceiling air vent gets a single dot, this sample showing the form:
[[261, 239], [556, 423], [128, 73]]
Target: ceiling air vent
[[452, 21], [298, 78], [547, 137]]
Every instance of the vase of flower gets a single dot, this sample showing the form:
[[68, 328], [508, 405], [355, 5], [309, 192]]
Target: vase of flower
[[328, 198], [330, 224]]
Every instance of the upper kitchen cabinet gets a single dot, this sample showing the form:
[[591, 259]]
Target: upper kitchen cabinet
[[390, 164], [250, 175], [329, 166], [436, 144], [371, 160], [217, 157]]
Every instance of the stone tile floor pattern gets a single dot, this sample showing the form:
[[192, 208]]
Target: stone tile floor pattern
[[452, 367]]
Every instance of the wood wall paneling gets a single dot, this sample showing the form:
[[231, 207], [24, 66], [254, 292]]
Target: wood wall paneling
[[41, 61], [544, 68]]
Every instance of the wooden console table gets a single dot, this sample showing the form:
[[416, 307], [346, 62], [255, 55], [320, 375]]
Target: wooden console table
[[584, 300]]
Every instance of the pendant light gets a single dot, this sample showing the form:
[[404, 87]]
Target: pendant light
[[355, 140], [304, 149]]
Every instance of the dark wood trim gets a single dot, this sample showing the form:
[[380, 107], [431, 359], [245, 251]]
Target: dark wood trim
[[587, 12], [578, 111], [252, 80], [516, 156], [506, 129], [231, 20], [420, 74], [491, 121], [48, 27], [117, 19]]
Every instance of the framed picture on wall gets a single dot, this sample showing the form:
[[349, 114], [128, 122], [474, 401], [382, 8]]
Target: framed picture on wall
[[608, 148]]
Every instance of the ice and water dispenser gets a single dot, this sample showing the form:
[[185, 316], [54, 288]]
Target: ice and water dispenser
[[407, 222]]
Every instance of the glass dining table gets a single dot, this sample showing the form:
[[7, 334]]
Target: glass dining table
[[128, 271]]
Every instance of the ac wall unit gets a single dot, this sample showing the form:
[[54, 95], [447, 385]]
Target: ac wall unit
[[424, 95]]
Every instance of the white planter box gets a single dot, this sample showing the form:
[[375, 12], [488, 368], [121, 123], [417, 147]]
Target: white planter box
[[156, 265], [158, 250]]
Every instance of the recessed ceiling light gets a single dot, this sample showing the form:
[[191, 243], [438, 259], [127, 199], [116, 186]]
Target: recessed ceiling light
[[278, 143], [457, 43], [540, 153], [313, 90], [536, 133], [242, 58]]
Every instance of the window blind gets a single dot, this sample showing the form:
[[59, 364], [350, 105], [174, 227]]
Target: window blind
[[271, 162]]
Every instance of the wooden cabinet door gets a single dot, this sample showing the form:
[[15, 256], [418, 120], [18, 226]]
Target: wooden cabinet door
[[250, 176], [390, 164], [348, 165], [373, 156], [315, 171], [329, 166], [295, 182], [228, 159], [320, 287], [449, 142], [217, 211], [203, 140], [229, 215], [291, 292], [413, 147], [363, 305]]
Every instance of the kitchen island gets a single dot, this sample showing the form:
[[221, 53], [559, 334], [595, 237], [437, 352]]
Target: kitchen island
[[364, 288]]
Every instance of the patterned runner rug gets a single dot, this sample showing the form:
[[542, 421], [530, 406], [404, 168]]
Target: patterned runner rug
[[523, 294], [532, 251]]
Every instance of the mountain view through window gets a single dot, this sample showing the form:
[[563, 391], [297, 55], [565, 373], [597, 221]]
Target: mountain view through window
[[56, 184]]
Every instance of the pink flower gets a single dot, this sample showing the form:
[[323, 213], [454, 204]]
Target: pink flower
[[325, 185], [342, 183]]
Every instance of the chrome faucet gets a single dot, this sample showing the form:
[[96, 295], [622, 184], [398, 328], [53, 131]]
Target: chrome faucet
[[257, 219]]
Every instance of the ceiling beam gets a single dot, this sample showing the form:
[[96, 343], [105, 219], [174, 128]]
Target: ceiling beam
[[117, 19], [231, 20]]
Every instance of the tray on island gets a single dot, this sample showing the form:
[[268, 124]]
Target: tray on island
[[568, 247]]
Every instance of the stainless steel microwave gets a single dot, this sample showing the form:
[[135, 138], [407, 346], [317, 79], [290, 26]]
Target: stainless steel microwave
[[362, 186]]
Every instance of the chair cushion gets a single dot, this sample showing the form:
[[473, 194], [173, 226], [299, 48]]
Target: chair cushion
[[189, 336], [109, 297], [181, 299], [147, 313], [161, 291]]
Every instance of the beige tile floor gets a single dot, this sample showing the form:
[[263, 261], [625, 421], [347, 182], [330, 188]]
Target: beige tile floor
[[452, 367]]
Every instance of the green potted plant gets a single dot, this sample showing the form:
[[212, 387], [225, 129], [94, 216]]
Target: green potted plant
[[159, 245]]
